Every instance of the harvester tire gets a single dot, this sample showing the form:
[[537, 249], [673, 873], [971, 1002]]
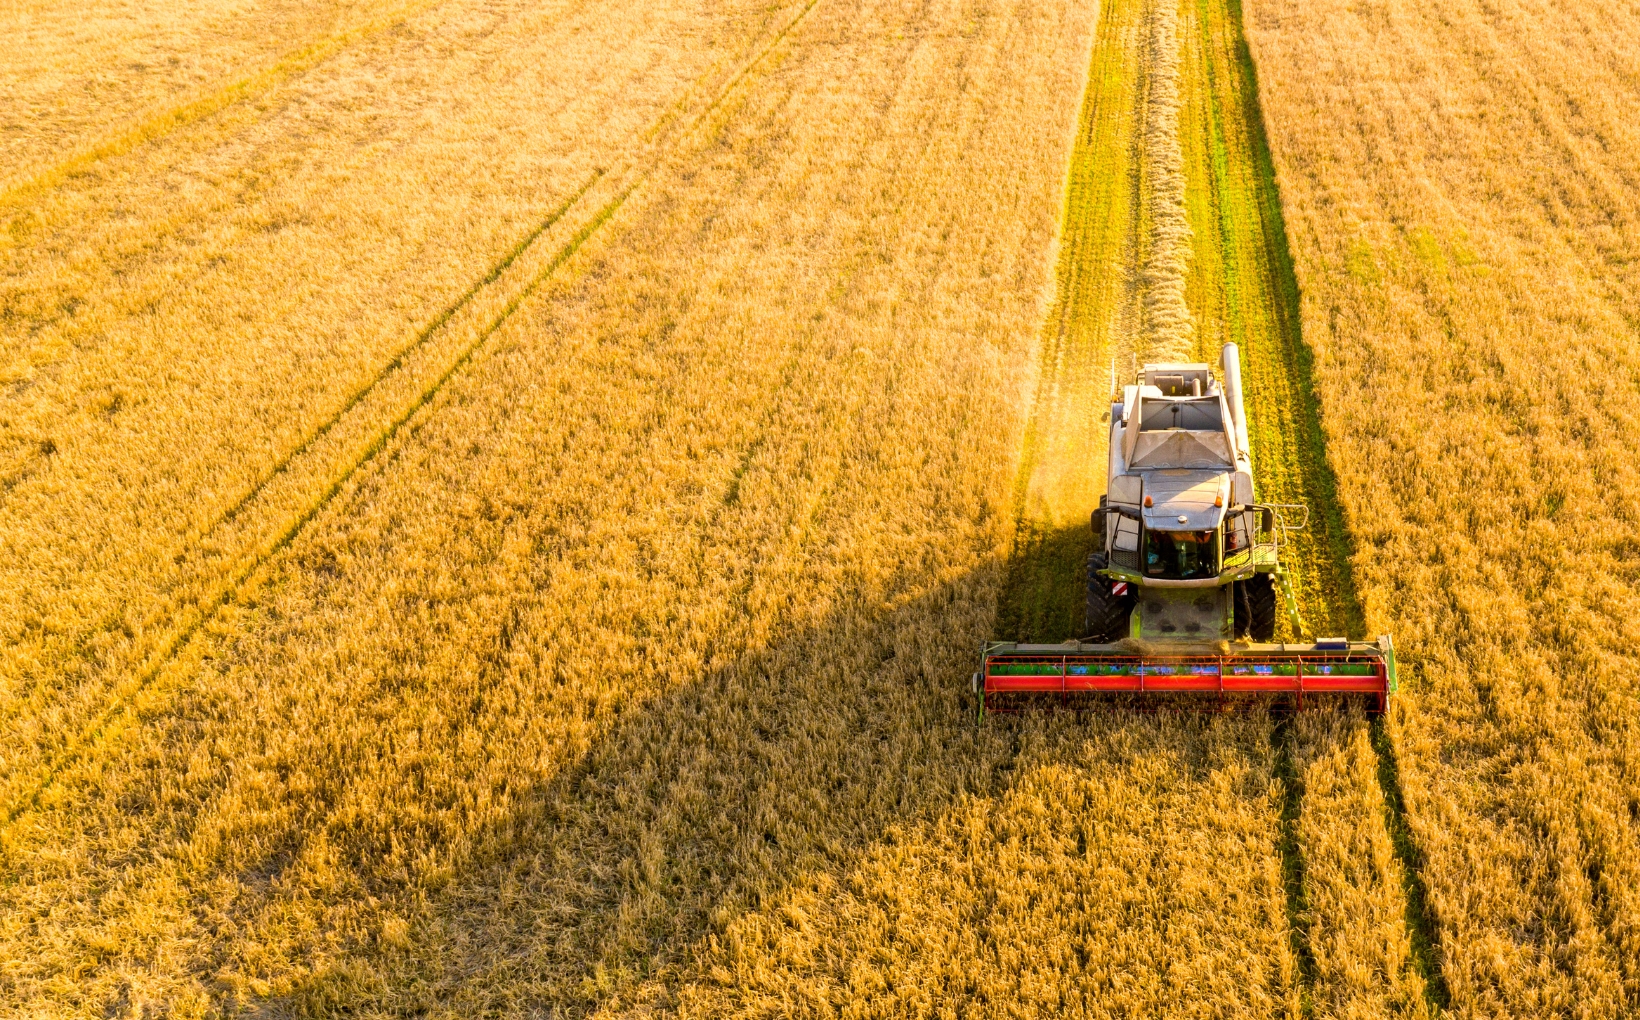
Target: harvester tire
[[1256, 607], [1108, 612]]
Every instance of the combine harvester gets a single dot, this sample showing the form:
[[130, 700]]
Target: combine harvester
[[1182, 592]]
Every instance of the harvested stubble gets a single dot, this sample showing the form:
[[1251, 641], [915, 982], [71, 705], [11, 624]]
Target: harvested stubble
[[1241, 289], [1460, 181], [1098, 305]]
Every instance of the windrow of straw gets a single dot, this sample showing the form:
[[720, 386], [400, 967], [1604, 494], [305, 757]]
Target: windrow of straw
[[1166, 331]]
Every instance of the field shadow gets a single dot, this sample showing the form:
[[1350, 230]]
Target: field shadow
[[695, 806], [617, 883], [1044, 591]]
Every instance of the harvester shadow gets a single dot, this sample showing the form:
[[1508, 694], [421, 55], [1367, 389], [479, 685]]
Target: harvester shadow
[[1044, 592], [695, 805], [609, 885]]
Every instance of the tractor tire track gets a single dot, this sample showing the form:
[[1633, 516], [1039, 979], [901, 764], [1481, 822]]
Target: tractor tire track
[[398, 359], [210, 552], [119, 705], [1420, 919], [1300, 920], [207, 229], [635, 171]]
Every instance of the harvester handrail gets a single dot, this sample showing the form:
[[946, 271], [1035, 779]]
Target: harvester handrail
[[1281, 517]]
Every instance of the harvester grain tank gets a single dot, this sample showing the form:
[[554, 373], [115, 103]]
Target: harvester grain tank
[[1187, 578]]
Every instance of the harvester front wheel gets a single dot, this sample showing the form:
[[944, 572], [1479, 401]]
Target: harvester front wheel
[[1108, 612], [1256, 607]]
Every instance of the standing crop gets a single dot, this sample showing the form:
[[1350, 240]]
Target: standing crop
[[77, 90], [193, 366], [1460, 187], [604, 614]]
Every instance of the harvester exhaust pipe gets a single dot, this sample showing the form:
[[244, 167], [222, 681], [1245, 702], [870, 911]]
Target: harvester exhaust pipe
[[1230, 360]]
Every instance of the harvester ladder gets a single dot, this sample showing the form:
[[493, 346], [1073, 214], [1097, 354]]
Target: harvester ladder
[[1290, 598]]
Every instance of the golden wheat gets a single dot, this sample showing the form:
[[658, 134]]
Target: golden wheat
[[488, 529], [723, 495], [1125, 866], [1460, 186], [193, 373], [82, 82]]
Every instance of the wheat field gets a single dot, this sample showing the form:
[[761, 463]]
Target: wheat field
[[499, 503], [1463, 232]]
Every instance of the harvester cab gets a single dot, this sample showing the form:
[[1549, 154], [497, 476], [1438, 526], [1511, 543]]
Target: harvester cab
[[1187, 572], [1184, 550]]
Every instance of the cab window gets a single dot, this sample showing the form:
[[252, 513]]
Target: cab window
[[1181, 555]]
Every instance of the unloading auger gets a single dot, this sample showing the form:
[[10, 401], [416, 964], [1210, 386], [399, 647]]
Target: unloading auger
[[1183, 588]]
